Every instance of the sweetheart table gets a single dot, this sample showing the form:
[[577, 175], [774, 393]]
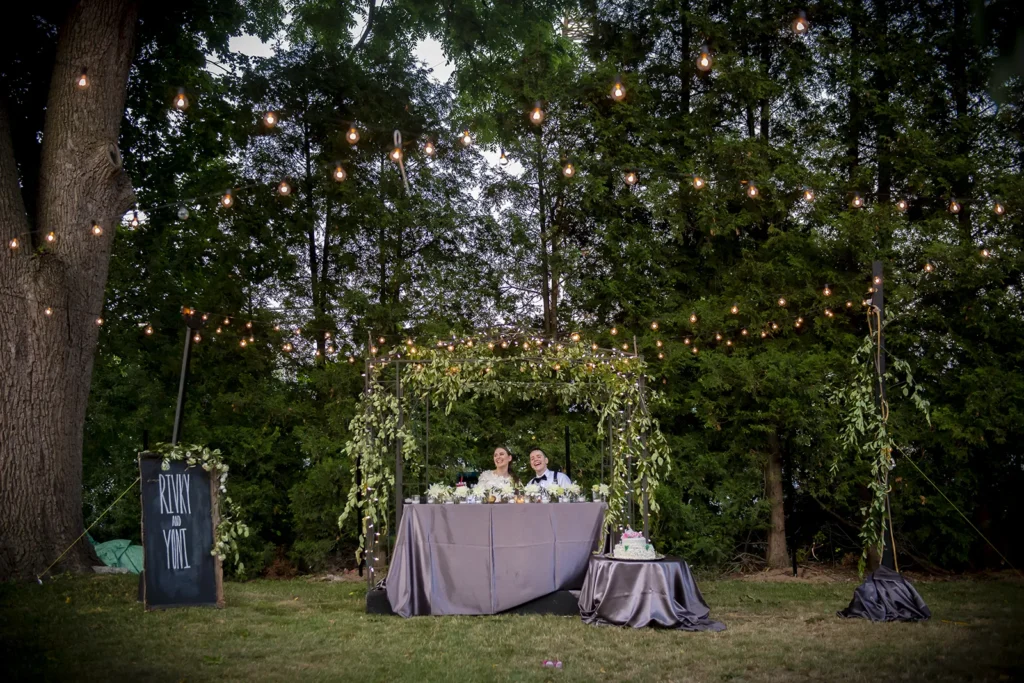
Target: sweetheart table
[[485, 559]]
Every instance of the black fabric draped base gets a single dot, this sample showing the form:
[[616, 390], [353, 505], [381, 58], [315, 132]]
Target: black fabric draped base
[[641, 593], [886, 596]]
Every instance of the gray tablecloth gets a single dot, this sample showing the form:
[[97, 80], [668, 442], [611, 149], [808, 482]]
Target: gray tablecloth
[[484, 559], [644, 593]]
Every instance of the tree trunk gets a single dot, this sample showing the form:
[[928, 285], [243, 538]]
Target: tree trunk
[[778, 557], [46, 360]]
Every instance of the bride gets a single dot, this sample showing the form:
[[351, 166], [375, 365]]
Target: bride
[[501, 473]]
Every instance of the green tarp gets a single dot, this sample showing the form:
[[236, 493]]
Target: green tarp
[[119, 553]]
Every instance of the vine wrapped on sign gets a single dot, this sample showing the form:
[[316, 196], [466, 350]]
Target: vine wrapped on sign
[[612, 387]]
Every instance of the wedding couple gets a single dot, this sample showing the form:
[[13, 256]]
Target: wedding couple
[[538, 462]]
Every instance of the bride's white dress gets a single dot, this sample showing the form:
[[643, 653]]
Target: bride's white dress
[[490, 478]]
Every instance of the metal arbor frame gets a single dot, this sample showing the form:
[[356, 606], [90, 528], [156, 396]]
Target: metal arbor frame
[[614, 428]]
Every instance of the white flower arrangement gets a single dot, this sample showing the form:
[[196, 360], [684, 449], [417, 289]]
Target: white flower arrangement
[[573, 489], [506, 490], [556, 491], [532, 489], [601, 490], [462, 493], [439, 493]]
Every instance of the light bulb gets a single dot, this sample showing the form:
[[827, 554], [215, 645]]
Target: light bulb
[[828, 313], [694, 350], [227, 200], [659, 343], [826, 291], [593, 347], [270, 119], [775, 326], [849, 304], [568, 170], [503, 160], [698, 182], [14, 243], [135, 219], [877, 280], [466, 138], [283, 188], [82, 82], [429, 149], [287, 347], [197, 338], [704, 59], [901, 205], [504, 344], [763, 334], [752, 191], [352, 135], [998, 208], [614, 331], [51, 237], [728, 342], [96, 229], [718, 337], [625, 346], [537, 114], [396, 154], [451, 348], [339, 174], [686, 341], [630, 178], [48, 311], [743, 332], [985, 253], [243, 343], [248, 325], [351, 359], [575, 336], [149, 330], [857, 201], [735, 309], [380, 340], [219, 330], [654, 324], [928, 267], [799, 322], [99, 322], [180, 100], [954, 206], [808, 195], [800, 24], [182, 213], [693, 318], [618, 91]]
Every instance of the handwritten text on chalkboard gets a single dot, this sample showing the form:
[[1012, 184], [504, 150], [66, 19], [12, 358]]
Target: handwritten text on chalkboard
[[175, 501]]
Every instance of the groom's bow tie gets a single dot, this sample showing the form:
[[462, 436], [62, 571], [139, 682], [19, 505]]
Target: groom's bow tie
[[537, 480]]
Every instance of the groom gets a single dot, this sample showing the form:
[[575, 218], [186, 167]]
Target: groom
[[542, 475]]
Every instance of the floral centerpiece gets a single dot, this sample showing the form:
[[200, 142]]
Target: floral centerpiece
[[557, 492], [600, 492], [505, 492], [574, 491], [439, 493], [533, 493], [462, 492]]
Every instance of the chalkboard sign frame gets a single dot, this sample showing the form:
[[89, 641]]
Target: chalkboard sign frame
[[218, 573]]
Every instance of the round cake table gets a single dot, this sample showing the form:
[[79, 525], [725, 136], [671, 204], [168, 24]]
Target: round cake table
[[640, 593]]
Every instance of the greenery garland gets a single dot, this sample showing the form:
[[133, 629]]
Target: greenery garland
[[230, 528], [612, 387], [865, 428]]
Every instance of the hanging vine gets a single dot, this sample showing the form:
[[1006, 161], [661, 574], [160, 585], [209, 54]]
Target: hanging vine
[[609, 386]]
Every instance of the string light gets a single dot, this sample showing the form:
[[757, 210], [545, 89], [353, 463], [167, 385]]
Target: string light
[[227, 200], [698, 182], [763, 334], [829, 313], [396, 154], [800, 24], [568, 170], [352, 135], [48, 311], [13, 244], [99, 322], [51, 237], [693, 318], [998, 208], [218, 331], [782, 301], [270, 119], [775, 325], [658, 343], [82, 82], [743, 332], [197, 338], [735, 309], [466, 138], [686, 341], [575, 336], [694, 350], [503, 160], [630, 178], [351, 359], [429, 149], [283, 188], [799, 322], [181, 100], [654, 324], [808, 195], [704, 59], [718, 337], [287, 347], [985, 253], [728, 342], [243, 343], [625, 346], [901, 205], [826, 291], [381, 340], [537, 115], [849, 304], [752, 190], [614, 331], [661, 356], [928, 267], [618, 91], [148, 331], [339, 173], [877, 280], [593, 347], [134, 222], [248, 325], [857, 201], [504, 343], [954, 206]]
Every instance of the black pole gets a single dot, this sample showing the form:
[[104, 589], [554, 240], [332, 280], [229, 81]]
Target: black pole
[[568, 460], [399, 498], [878, 302], [193, 323]]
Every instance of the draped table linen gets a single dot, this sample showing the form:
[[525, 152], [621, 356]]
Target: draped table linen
[[485, 559], [640, 593], [886, 596]]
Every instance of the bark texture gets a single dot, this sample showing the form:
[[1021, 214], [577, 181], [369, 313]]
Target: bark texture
[[46, 360], [778, 556]]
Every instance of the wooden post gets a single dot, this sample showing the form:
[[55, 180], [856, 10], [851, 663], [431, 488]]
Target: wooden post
[[878, 302]]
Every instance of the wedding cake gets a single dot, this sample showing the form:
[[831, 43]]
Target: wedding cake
[[633, 546]]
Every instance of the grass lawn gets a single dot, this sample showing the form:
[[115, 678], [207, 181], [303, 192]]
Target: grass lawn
[[91, 628]]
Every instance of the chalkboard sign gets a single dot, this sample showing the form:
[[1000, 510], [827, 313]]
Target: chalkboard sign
[[179, 513]]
